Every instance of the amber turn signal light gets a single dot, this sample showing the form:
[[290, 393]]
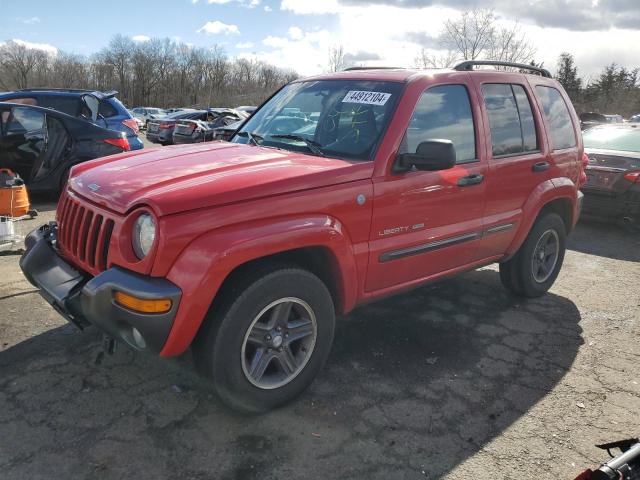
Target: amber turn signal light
[[162, 305]]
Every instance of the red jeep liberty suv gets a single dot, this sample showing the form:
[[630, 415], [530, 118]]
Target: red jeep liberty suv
[[340, 189]]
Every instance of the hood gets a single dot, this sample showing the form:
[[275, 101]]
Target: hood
[[186, 177]]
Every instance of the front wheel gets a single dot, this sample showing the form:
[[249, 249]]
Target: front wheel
[[534, 268], [267, 346]]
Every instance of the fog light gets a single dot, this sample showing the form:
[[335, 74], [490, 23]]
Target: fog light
[[141, 305], [137, 337]]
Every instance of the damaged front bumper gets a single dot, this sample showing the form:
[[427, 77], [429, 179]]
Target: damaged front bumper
[[85, 300]]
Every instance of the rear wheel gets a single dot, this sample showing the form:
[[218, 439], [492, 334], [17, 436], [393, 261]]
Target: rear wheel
[[270, 341], [534, 268]]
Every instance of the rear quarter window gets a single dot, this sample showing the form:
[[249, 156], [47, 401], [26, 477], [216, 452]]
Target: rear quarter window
[[556, 112]]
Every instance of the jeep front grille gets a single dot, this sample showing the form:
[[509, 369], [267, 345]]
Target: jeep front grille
[[84, 234]]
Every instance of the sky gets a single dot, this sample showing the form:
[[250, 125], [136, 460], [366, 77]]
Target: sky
[[298, 34]]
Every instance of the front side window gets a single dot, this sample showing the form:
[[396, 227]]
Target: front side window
[[443, 112], [66, 104], [511, 120], [555, 110], [334, 118]]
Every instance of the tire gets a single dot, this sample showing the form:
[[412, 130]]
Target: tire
[[532, 277], [233, 337]]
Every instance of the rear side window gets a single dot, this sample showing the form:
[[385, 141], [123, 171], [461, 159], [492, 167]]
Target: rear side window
[[23, 120], [68, 105], [561, 133], [443, 112], [513, 129]]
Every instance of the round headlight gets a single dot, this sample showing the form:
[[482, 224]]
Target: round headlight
[[144, 233]]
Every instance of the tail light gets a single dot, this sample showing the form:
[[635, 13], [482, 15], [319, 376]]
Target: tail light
[[633, 177], [122, 143], [583, 171], [132, 124], [166, 125]]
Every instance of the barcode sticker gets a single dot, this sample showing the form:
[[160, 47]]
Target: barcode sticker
[[368, 98]]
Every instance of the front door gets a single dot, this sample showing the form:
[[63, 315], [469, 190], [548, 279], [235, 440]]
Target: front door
[[426, 223]]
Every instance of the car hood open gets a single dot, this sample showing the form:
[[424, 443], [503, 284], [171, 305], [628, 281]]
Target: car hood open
[[181, 178]]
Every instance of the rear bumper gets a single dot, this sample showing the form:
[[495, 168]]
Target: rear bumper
[[85, 300], [135, 143], [621, 208]]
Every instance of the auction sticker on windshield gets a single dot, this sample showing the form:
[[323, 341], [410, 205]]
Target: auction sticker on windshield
[[369, 98]]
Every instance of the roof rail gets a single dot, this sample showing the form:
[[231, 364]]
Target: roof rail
[[469, 64], [51, 89], [354, 69]]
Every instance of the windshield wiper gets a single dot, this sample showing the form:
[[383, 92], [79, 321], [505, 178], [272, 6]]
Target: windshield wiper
[[251, 136], [313, 146]]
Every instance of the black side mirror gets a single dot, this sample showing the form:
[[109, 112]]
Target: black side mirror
[[431, 155]]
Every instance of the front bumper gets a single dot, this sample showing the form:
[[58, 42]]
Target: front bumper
[[85, 300]]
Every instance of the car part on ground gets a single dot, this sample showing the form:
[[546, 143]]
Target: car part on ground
[[624, 466], [41, 145], [100, 108], [340, 189], [612, 190]]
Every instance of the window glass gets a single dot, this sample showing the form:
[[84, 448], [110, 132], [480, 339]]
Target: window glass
[[335, 118], [529, 138], [68, 105], [443, 112], [106, 110], [504, 121], [24, 120], [557, 114]]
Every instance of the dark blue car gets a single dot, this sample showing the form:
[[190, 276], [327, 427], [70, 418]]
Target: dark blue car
[[102, 109]]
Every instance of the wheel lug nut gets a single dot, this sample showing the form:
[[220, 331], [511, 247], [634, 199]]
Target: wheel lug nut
[[268, 337]]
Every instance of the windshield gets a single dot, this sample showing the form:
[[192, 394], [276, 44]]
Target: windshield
[[623, 139], [335, 118]]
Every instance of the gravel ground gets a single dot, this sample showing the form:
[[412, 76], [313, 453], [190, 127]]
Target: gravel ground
[[458, 380]]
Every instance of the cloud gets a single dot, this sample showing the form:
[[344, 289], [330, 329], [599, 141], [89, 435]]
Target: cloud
[[140, 38], [217, 27], [361, 56], [296, 33], [31, 20], [267, 8], [244, 45], [45, 47]]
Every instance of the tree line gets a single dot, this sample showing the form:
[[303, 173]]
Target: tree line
[[159, 72]]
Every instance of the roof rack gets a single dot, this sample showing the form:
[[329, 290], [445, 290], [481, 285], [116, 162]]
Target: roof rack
[[469, 64], [354, 69], [49, 89]]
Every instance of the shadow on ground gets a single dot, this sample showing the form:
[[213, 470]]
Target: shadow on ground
[[605, 240], [415, 385]]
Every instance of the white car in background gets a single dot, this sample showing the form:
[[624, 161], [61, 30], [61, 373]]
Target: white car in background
[[144, 114]]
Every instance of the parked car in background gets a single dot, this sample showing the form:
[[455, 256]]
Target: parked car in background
[[248, 250], [202, 130], [147, 113], [590, 119], [41, 144], [225, 132], [100, 108], [612, 190], [634, 119], [160, 130], [614, 118]]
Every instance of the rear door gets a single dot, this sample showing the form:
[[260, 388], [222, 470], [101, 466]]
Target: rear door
[[427, 223], [517, 157], [23, 141]]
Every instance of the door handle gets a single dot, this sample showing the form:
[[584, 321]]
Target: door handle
[[474, 179], [540, 167]]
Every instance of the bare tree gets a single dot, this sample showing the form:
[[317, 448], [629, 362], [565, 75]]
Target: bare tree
[[336, 58], [476, 35], [18, 62]]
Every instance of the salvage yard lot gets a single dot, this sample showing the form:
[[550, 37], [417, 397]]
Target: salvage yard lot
[[455, 380]]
